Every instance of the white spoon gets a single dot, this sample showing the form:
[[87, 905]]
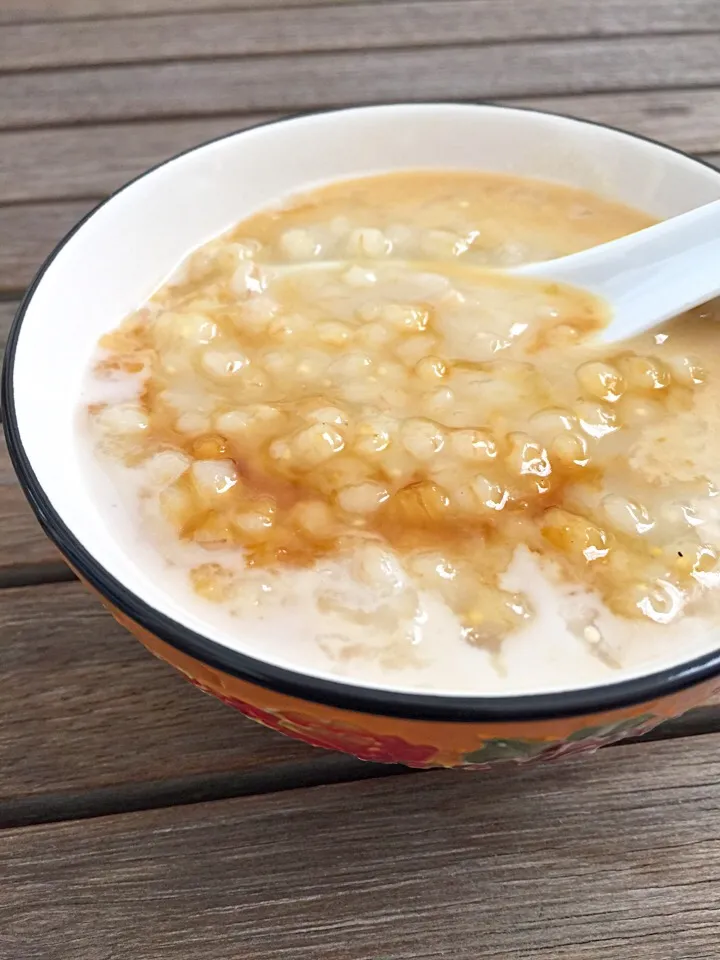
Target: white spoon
[[645, 278]]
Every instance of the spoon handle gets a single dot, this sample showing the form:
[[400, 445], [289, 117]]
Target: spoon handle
[[648, 276]]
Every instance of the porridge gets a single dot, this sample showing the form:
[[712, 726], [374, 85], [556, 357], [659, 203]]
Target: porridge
[[352, 438]]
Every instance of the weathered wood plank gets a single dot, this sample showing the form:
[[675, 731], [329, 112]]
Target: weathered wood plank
[[25, 551], [7, 312], [85, 708], [93, 161], [24, 11], [344, 26], [614, 858], [687, 119], [288, 82], [29, 234]]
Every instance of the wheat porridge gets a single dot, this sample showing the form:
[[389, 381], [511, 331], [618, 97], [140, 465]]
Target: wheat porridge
[[344, 433]]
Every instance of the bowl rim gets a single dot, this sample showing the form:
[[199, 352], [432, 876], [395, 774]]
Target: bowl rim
[[334, 693]]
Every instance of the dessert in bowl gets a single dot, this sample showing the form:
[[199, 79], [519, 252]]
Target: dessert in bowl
[[279, 404]]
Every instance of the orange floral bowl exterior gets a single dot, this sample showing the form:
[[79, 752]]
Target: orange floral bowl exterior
[[416, 742]]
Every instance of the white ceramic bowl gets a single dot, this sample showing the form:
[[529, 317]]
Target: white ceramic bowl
[[120, 254]]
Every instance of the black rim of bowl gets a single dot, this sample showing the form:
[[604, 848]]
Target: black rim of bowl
[[418, 706]]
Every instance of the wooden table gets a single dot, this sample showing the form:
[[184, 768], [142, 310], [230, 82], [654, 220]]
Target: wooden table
[[144, 821]]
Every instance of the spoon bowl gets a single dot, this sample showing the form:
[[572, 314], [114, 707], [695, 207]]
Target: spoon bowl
[[645, 278]]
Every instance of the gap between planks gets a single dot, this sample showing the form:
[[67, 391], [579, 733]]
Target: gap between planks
[[35, 574], [16, 12], [332, 768], [685, 117]]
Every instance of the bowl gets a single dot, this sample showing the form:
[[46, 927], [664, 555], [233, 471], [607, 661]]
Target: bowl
[[127, 246]]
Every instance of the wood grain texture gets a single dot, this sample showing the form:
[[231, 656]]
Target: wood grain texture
[[85, 707], [29, 234], [93, 161], [687, 119], [287, 82], [7, 312], [30, 11], [23, 545], [348, 26], [612, 858]]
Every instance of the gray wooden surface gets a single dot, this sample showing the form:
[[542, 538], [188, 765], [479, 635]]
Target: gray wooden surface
[[290, 81], [618, 856], [142, 820], [339, 26]]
